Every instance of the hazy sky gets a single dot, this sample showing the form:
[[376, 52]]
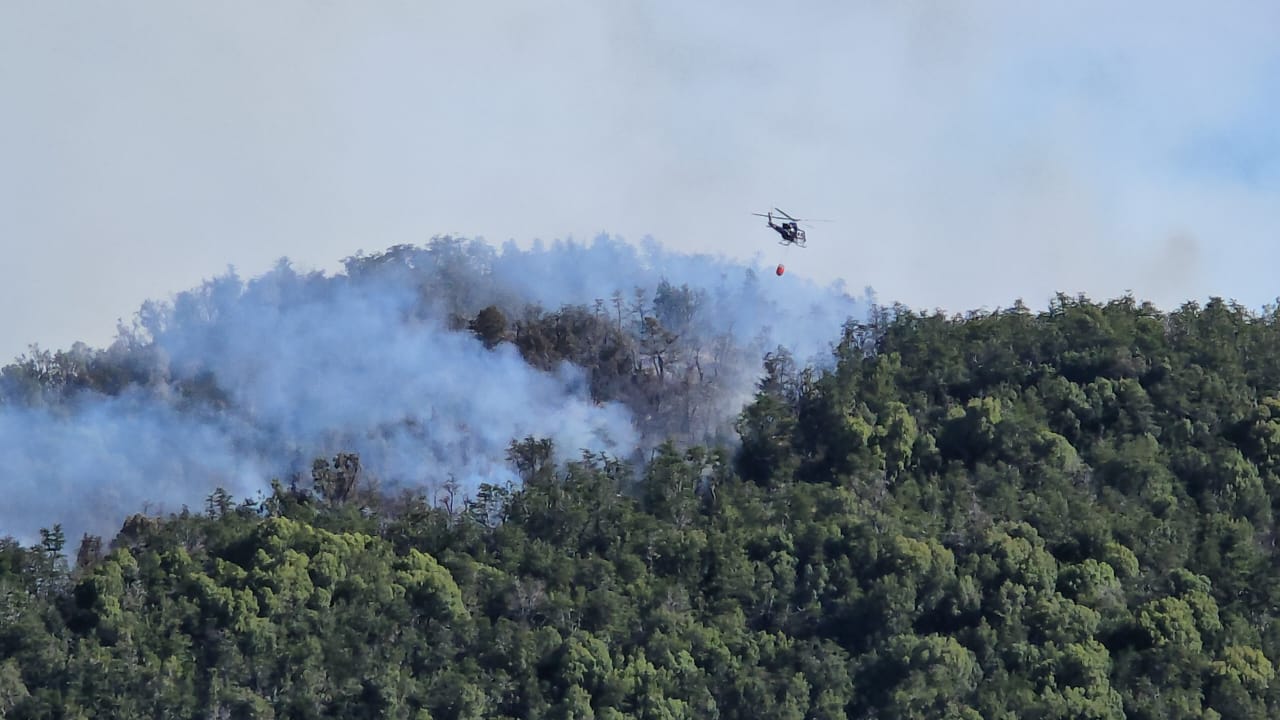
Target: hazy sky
[[969, 153]]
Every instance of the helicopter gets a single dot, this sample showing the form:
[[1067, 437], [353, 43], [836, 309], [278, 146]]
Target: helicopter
[[788, 229]]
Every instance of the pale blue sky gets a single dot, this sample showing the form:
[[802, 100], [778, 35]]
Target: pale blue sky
[[1100, 147]]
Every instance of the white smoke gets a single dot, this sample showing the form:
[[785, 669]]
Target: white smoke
[[236, 382]]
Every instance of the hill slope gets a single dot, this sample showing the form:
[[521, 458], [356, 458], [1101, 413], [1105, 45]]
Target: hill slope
[[1069, 513]]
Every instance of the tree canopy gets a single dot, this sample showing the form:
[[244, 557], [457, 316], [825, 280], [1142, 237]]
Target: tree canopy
[[1069, 513]]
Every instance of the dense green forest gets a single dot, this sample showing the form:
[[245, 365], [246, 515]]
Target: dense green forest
[[1069, 513]]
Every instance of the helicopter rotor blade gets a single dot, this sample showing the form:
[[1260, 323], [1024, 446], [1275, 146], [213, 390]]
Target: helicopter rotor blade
[[796, 219]]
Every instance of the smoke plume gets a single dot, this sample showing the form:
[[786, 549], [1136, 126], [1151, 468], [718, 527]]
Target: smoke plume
[[238, 381]]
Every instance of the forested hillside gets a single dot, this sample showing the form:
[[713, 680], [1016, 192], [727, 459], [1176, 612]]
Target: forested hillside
[[1069, 513]]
